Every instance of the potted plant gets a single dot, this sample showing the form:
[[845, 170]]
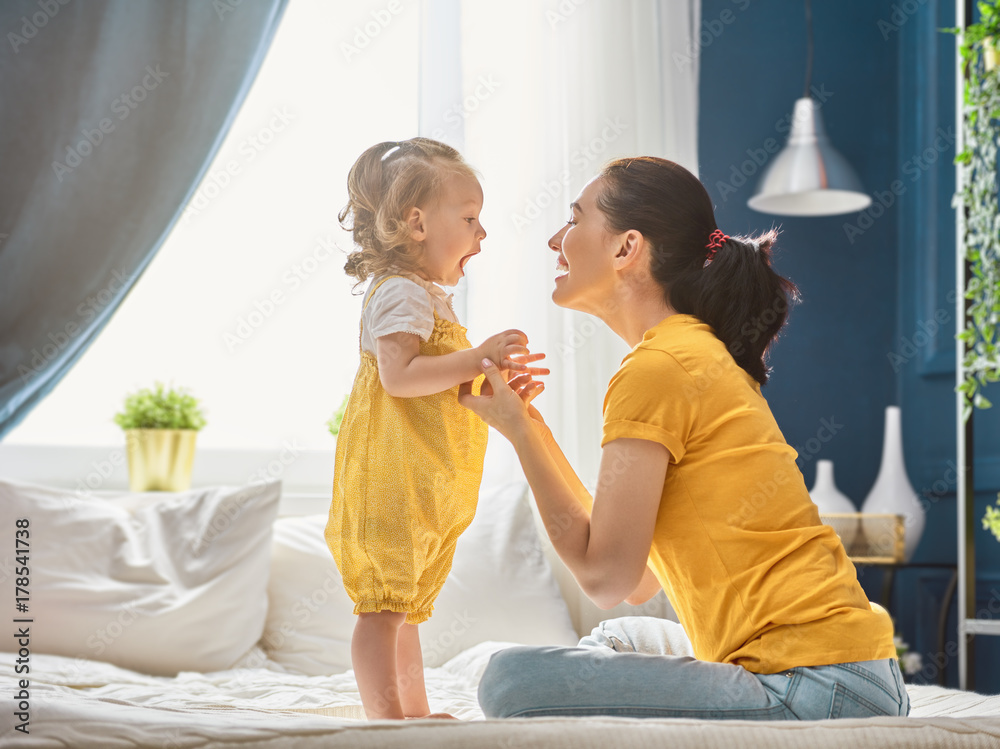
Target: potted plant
[[160, 430]]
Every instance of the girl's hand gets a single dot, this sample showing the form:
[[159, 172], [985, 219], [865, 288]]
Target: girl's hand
[[510, 351], [503, 405], [524, 359]]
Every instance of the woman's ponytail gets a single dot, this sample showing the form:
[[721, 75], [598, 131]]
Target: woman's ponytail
[[742, 298], [727, 282]]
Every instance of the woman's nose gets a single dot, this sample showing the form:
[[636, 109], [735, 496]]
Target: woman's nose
[[555, 241]]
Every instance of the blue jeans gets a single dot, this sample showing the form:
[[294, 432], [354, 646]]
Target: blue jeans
[[643, 667]]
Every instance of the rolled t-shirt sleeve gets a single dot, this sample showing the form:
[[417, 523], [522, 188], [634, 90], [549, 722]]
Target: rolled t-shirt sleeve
[[649, 398], [399, 306]]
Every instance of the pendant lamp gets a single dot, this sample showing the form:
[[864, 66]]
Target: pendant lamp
[[808, 177]]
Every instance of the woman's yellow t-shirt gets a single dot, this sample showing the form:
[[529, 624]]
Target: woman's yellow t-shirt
[[755, 578]]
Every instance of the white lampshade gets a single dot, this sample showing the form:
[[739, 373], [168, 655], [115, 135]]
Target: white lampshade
[[808, 177]]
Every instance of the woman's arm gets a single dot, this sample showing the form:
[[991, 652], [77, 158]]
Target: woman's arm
[[405, 373], [648, 588], [606, 549], [576, 485]]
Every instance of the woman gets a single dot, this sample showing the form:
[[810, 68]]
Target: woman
[[698, 492]]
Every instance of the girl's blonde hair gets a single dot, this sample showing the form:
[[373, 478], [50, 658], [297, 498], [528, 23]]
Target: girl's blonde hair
[[385, 183]]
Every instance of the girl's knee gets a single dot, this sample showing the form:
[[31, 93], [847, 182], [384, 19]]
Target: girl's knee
[[371, 620]]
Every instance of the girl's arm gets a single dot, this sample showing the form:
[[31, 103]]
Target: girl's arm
[[407, 374], [607, 549]]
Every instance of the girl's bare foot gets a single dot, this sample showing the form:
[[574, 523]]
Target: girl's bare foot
[[432, 715]]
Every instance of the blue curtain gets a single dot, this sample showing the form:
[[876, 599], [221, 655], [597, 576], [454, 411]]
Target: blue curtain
[[110, 113]]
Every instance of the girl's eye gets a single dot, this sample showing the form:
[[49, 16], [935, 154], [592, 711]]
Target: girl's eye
[[470, 220]]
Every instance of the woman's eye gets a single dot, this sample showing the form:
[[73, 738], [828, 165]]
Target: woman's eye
[[571, 222]]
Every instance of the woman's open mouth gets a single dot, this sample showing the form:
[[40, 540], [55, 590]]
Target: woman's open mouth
[[562, 268]]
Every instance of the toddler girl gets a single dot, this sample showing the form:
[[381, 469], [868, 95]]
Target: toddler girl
[[409, 458]]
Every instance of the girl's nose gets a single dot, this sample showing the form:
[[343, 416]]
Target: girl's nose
[[482, 233]]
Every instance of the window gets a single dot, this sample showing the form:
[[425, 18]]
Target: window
[[246, 303]]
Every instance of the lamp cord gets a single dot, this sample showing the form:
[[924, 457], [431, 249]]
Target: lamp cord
[[809, 47]]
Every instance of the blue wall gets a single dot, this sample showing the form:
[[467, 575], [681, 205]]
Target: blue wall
[[872, 284]]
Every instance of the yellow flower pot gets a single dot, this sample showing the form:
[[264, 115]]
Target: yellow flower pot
[[160, 459]]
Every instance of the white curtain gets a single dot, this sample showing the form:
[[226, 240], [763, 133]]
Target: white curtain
[[551, 91]]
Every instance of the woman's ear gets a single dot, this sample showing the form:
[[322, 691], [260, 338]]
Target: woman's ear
[[630, 245], [415, 220]]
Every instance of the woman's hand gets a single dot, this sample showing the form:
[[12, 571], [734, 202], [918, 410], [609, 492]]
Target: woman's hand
[[503, 405], [539, 423]]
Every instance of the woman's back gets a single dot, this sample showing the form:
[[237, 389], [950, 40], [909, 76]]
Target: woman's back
[[738, 546]]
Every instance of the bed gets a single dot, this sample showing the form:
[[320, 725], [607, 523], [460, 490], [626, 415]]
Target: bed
[[215, 618]]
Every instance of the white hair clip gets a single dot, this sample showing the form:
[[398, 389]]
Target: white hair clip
[[390, 152]]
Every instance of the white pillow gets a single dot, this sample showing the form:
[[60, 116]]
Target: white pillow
[[158, 582], [500, 588], [310, 617]]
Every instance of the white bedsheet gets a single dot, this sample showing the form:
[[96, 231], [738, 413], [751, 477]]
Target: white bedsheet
[[82, 703]]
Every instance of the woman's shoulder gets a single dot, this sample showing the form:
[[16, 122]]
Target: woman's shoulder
[[679, 353], [676, 331], [649, 366], [685, 338], [673, 339]]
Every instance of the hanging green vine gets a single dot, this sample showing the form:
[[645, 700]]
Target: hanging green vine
[[979, 197]]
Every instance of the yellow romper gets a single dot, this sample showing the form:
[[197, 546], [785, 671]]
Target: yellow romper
[[405, 485]]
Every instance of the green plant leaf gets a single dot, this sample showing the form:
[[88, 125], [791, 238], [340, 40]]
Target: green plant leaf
[[333, 423], [978, 201], [158, 408], [991, 520]]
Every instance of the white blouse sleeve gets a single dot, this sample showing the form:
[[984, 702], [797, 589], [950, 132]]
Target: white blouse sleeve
[[398, 306]]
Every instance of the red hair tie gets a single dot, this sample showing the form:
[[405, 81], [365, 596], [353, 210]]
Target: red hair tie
[[715, 240]]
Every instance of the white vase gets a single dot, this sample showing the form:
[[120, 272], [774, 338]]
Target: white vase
[[830, 500], [892, 492]]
